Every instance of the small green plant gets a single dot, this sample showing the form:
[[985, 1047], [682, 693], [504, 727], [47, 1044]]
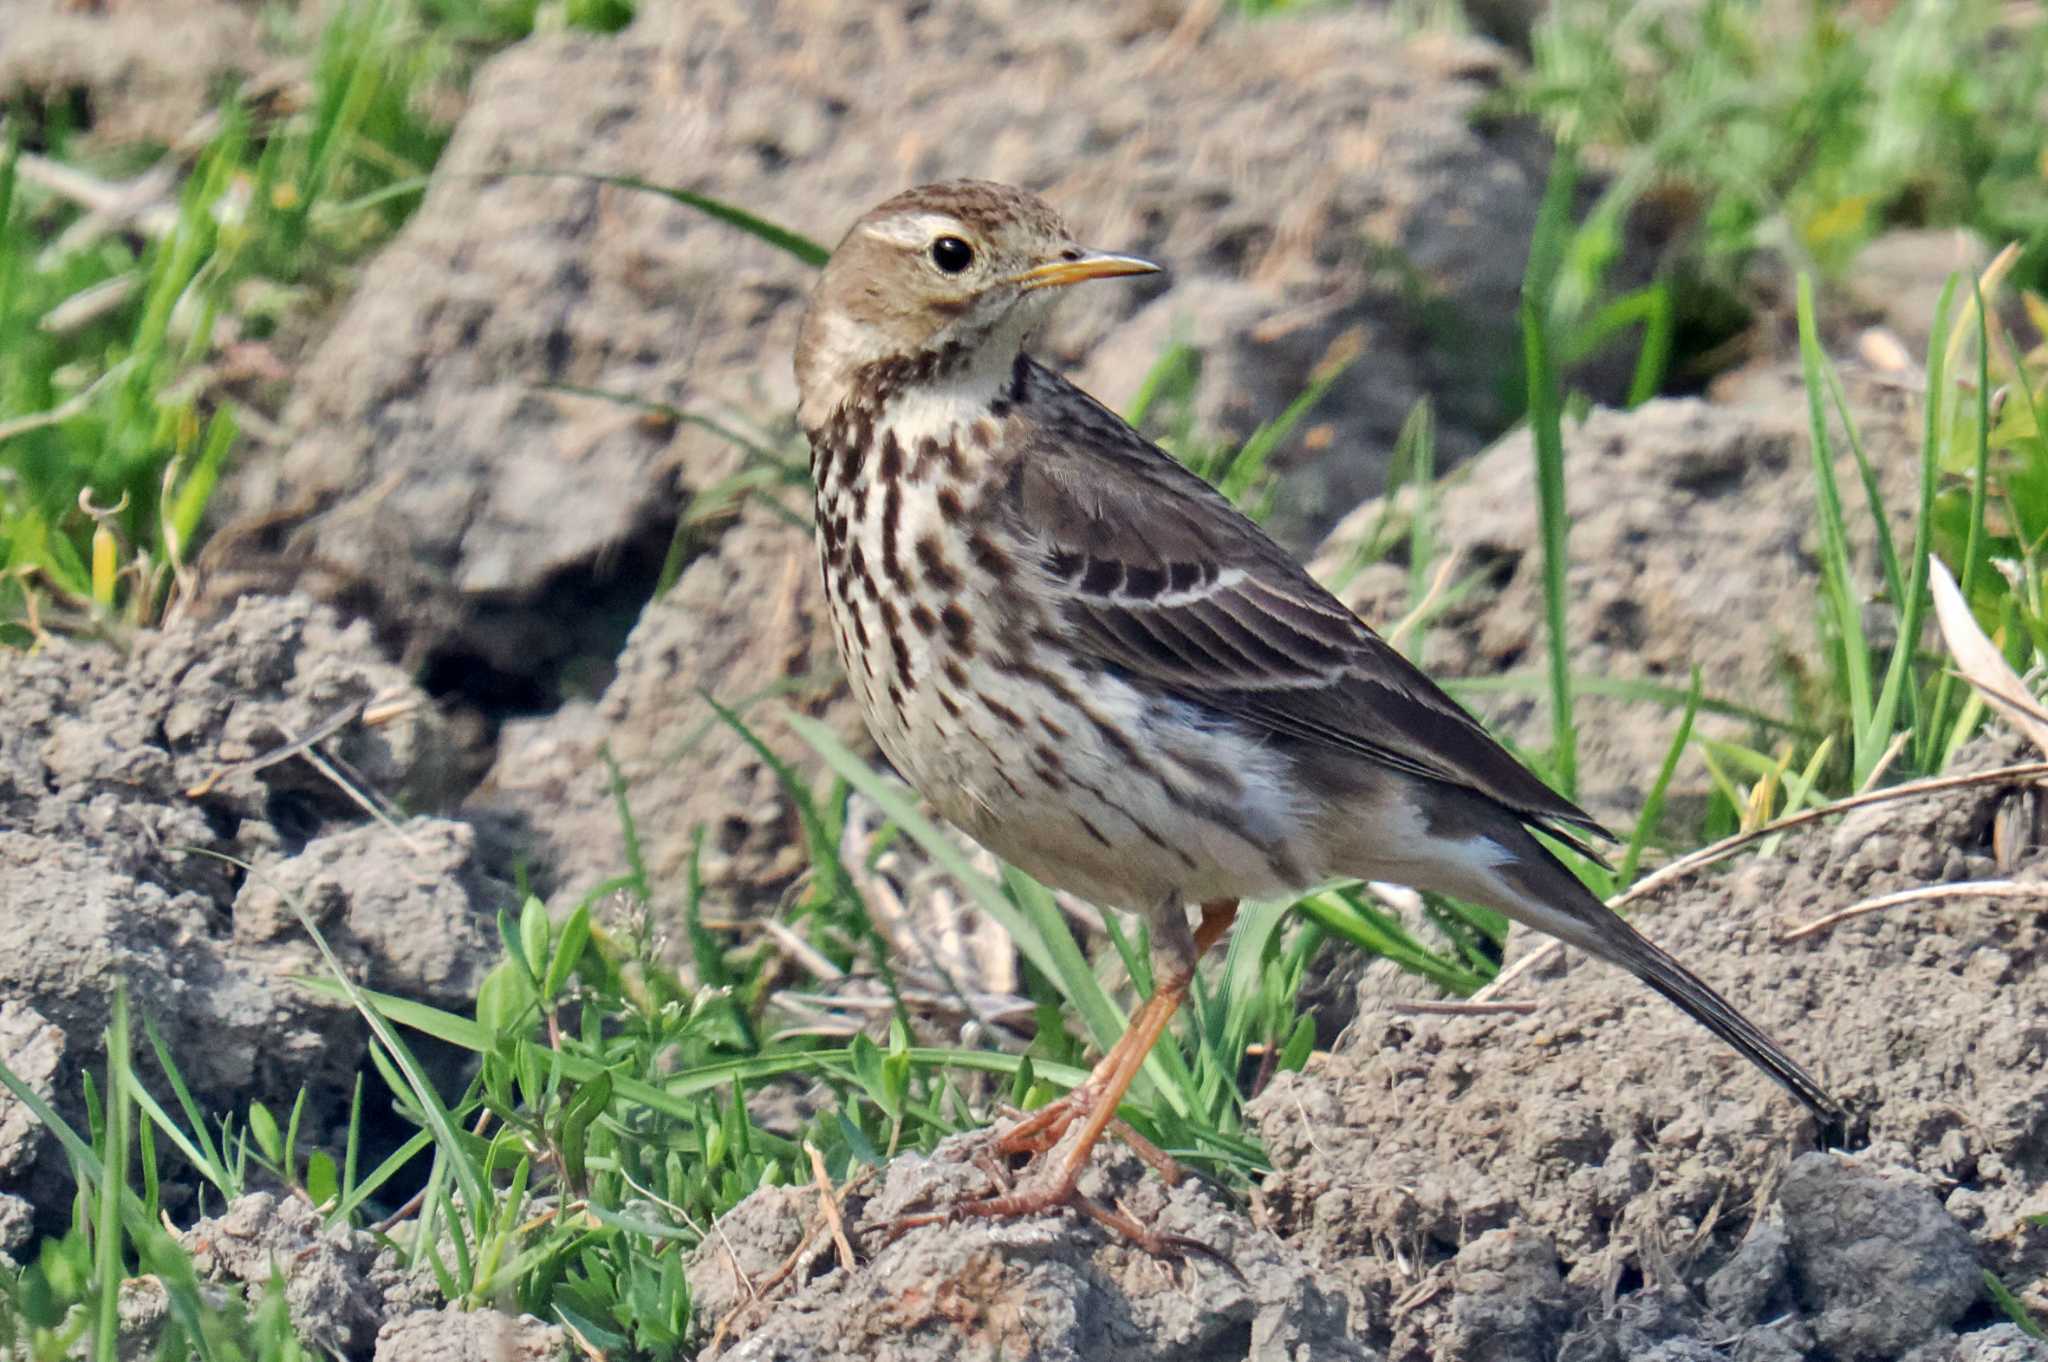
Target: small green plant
[[1803, 130], [2011, 1306], [1869, 703], [1980, 508], [1990, 514], [66, 1302]]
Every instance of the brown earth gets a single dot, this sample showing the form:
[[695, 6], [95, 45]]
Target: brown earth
[[1648, 1157], [145, 844], [128, 71]]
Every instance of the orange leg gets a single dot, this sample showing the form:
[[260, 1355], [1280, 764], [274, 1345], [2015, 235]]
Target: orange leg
[[1045, 1127], [1217, 919], [1097, 1100]]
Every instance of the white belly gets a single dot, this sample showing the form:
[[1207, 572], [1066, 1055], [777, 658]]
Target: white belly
[[1035, 775]]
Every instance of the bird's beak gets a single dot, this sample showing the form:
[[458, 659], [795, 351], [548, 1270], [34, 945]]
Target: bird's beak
[[1093, 265]]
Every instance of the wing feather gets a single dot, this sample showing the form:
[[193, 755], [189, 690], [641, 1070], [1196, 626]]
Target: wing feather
[[1160, 576]]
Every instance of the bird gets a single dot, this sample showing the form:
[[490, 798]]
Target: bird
[[1089, 661]]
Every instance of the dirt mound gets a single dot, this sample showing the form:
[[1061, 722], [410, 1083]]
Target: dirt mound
[[428, 411], [130, 70], [1641, 1153], [742, 624], [1045, 1289], [132, 798], [346, 1292]]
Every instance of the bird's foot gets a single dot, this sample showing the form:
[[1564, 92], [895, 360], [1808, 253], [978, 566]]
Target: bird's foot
[[1014, 1205], [1036, 1133], [1038, 1136]]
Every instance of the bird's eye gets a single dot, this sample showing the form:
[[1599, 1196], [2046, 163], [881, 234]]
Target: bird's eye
[[951, 254]]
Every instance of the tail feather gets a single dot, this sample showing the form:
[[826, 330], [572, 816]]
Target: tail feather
[[1700, 1002], [1552, 900]]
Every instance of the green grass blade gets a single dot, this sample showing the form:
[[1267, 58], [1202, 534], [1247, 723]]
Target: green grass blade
[[1980, 489], [823, 839], [361, 1192], [1546, 426], [86, 1164], [1899, 676], [1242, 471], [2013, 1308], [1649, 307], [1653, 358], [1840, 602], [1347, 916], [1653, 805], [1072, 975], [1905, 588], [1242, 986], [209, 1159], [107, 1257], [782, 238], [1174, 370], [986, 893], [353, 1147], [669, 1098], [1415, 451], [10, 157], [161, 1119], [635, 880], [1887, 551], [435, 1113], [1973, 550], [1630, 688]]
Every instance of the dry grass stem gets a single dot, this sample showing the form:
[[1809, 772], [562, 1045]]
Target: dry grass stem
[[1927, 893]]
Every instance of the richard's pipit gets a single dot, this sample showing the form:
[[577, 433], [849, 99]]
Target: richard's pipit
[[1085, 657]]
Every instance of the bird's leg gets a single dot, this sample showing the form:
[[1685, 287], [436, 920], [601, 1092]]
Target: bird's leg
[[1045, 1127], [1111, 1077], [1097, 1100], [1218, 917]]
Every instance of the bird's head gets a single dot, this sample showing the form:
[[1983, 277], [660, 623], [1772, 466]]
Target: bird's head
[[954, 275]]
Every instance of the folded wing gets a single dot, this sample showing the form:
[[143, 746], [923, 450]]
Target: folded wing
[[1159, 576]]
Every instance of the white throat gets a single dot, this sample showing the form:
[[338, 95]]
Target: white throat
[[840, 347], [940, 409]]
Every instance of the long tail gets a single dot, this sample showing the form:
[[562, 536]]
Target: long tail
[[1654, 967], [1552, 900]]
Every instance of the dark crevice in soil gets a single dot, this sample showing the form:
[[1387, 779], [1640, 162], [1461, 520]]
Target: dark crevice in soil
[[384, 1130], [297, 817], [1233, 1342], [526, 658]]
